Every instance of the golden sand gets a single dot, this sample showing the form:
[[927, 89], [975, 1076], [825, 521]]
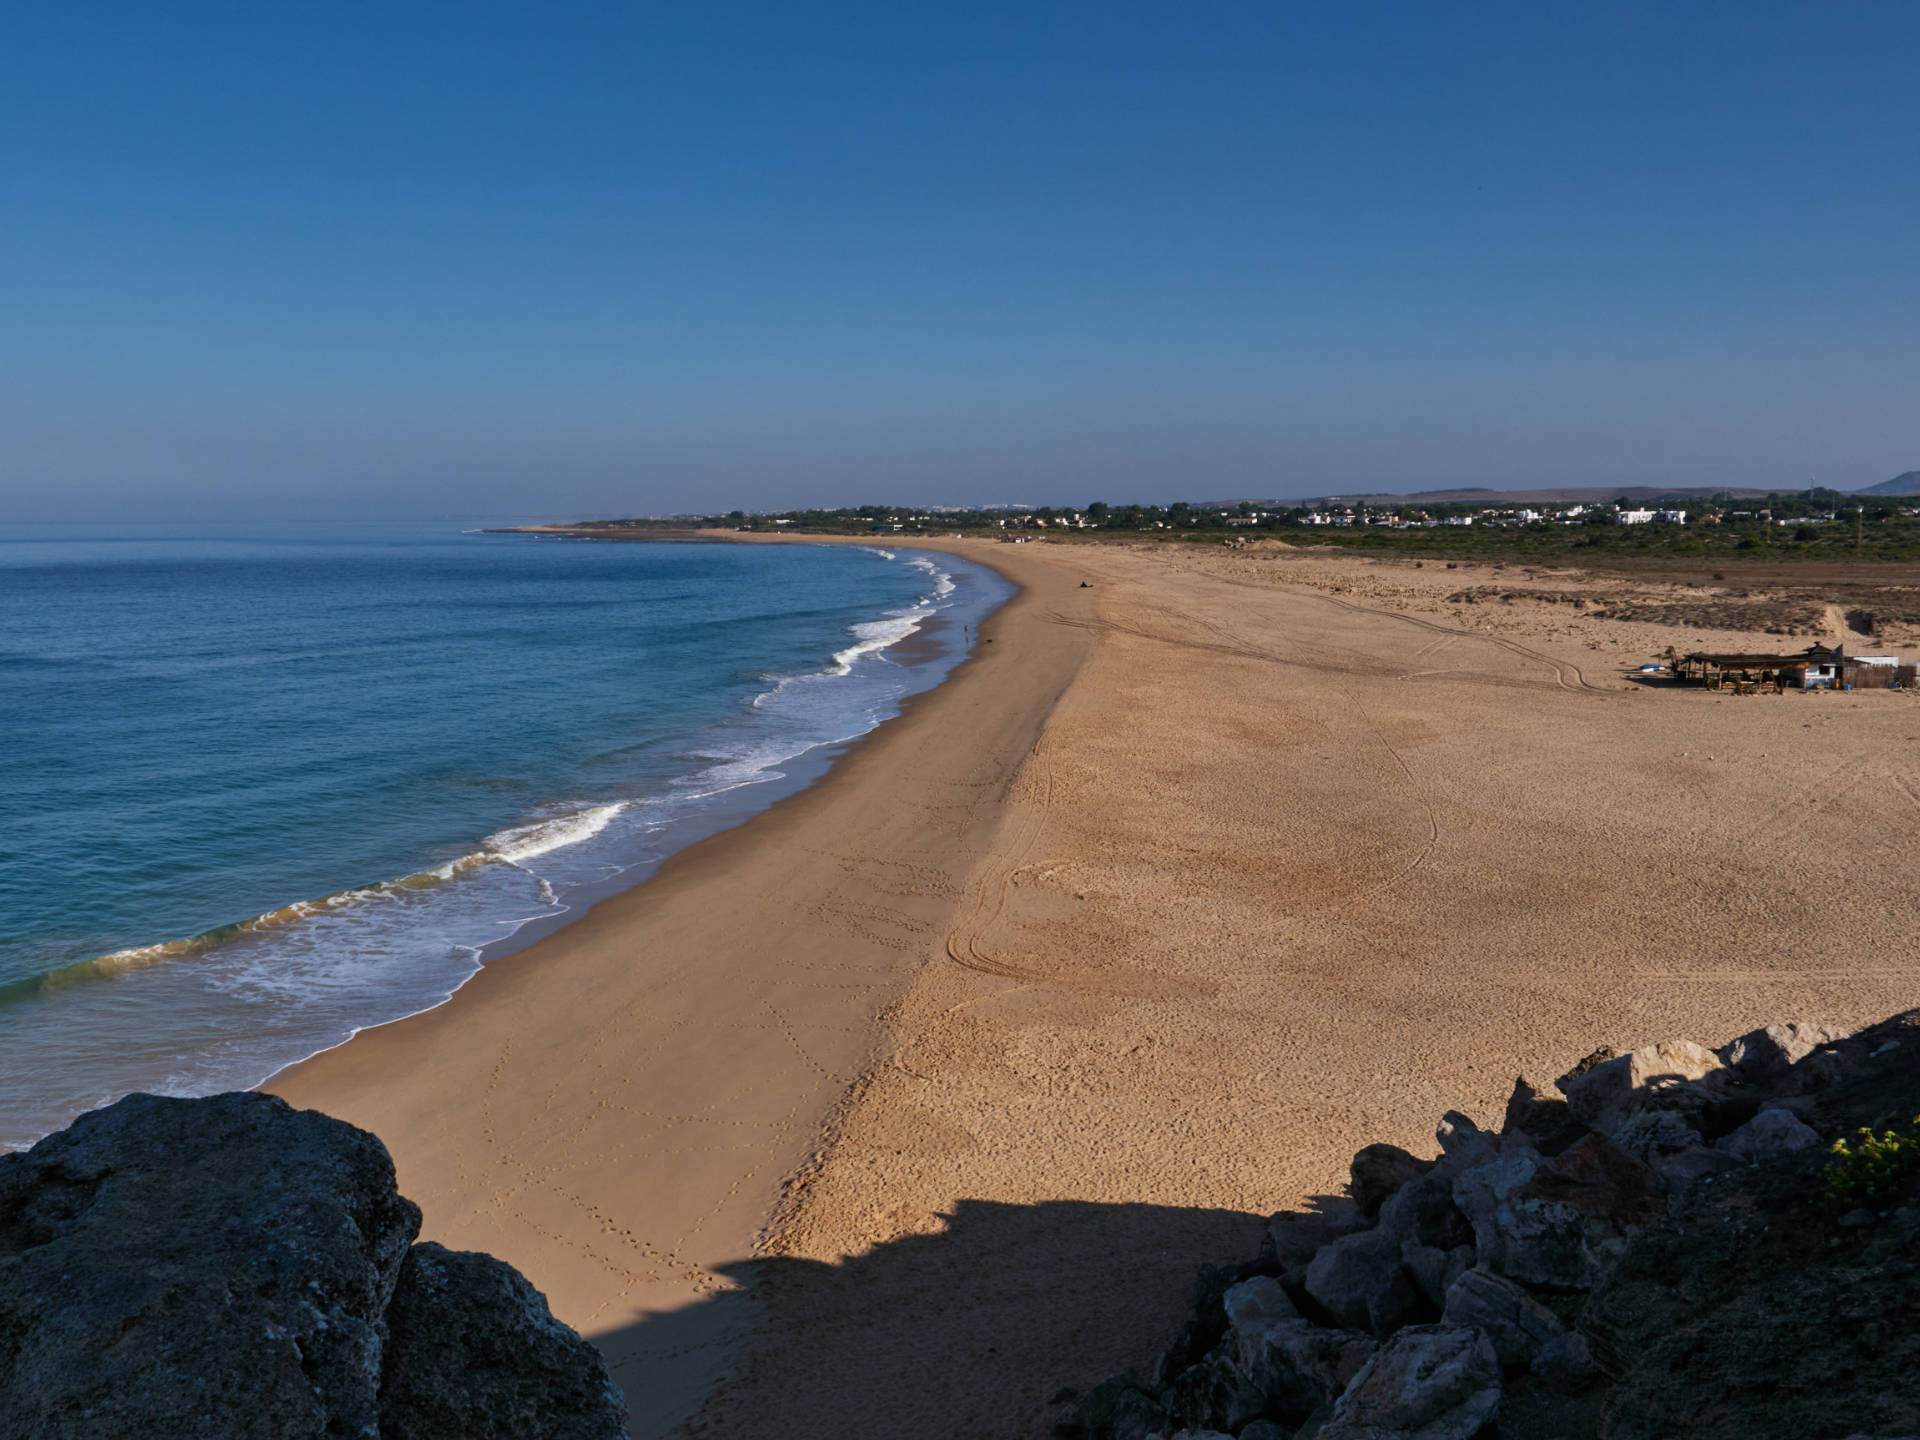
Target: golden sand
[[1196, 880]]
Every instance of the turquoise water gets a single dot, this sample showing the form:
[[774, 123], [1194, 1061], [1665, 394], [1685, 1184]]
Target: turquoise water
[[264, 788]]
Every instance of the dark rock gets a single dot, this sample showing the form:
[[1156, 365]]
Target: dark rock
[[1741, 1316], [1118, 1409], [1296, 1238], [1299, 1367], [1533, 1217], [1603, 1182], [1208, 1324], [1767, 1055], [1516, 1234], [1596, 1058], [1434, 1271], [1215, 1393], [1534, 1113], [1378, 1171], [1767, 1136], [1257, 1303], [1424, 1213], [1652, 1133], [1681, 1170], [1665, 1076], [1456, 1131], [1517, 1324], [231, 1267], [182, 1268], [1434, 1382], [1671, 1148], [473, 1353], [1565, 1364], [1362, 1283]]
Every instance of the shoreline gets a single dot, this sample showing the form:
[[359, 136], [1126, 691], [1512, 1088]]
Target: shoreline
[[466, 1094], [920, 659], [1184, 888]]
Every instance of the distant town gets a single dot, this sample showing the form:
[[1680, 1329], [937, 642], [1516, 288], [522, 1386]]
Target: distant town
[[1812, 523]]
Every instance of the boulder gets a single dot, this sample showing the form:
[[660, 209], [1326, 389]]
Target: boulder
[[1299, 1367], [1119, 1408], [1516, 1233], [1532, 1112], [1296, 1237], [1434, 1271], [1590, 1062], [1566, 1365], [1765, 1056], [1532, 1216], [179, 1268], [1253, 1305], [1429, 1382], [1423, 1212], [1361, 1282], [1671, 1148], [473, 1353], [1215, 1392], [1518, 1325], [1663, 1076], [1769, 1134], [1379, 1170], [1605, 1183], [1652, 1133], [1681, 1170]]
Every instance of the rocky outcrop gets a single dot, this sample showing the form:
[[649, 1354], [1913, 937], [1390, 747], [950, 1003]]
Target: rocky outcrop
[[234, 1267], [1655, 1252]]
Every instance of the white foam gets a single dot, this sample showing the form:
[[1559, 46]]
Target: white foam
[[520, 843], [873, 636]]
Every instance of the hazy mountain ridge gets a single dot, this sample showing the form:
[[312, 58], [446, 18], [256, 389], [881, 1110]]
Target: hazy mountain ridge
[[1904, 484]]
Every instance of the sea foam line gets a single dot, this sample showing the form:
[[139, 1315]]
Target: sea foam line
[[513, 846]]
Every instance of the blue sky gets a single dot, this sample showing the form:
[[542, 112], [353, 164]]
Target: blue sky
[[485, 259]]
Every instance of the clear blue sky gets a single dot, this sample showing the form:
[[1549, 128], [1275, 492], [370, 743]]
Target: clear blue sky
[[422, 259]]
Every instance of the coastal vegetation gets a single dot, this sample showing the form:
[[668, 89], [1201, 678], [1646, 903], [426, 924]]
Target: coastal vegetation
[[1780, 527]]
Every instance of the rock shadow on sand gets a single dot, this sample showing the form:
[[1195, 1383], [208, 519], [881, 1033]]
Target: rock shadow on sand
[[970, 1330]]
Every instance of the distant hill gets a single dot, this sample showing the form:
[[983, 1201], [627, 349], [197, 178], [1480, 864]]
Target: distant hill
[[1521, 497], [1907, 484]]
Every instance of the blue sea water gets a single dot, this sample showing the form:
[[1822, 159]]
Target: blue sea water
[[262, 788]]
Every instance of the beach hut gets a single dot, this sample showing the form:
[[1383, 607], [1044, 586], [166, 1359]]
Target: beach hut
[[1814, 668]]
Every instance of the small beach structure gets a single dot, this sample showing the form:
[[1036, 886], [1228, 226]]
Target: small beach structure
[[1818, 667]]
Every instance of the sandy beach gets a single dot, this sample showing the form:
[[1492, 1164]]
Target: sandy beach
[[920, 1096]]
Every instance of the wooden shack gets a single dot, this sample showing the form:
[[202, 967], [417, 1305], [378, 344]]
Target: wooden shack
[[1818, 667], [1814, 668]]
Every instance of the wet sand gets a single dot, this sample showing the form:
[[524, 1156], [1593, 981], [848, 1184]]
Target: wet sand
[[614, 1109], [1196, 881]]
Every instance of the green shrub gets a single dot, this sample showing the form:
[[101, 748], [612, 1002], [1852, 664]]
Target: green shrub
[[1869, 1169]]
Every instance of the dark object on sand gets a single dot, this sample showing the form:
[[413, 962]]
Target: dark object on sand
[[235, 1267]]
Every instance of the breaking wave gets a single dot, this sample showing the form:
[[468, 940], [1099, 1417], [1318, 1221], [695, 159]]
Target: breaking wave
[[517, 845]]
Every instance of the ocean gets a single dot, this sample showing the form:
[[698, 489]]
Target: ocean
[[263, 787]]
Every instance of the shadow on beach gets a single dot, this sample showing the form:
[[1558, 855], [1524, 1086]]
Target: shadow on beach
[[967, 1331]]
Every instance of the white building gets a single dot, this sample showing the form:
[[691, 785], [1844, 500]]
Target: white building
[[1674, 517], [1632, 517]]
